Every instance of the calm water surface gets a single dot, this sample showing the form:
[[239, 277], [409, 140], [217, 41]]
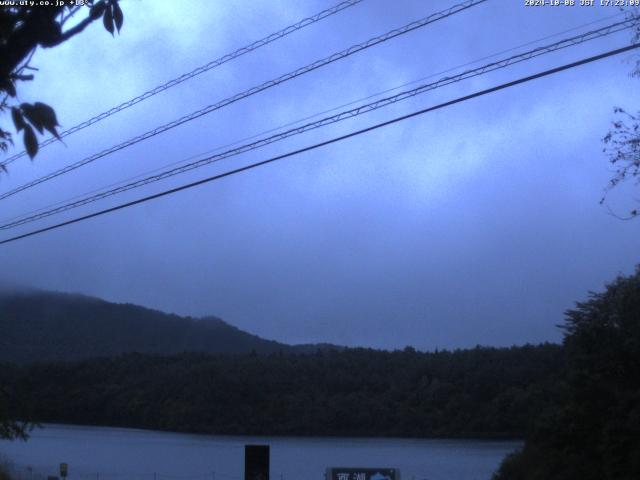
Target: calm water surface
[[98, 453]]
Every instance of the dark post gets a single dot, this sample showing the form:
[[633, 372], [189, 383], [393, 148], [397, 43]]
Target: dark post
[[256, 462]]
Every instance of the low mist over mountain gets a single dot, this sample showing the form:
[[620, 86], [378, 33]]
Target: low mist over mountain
[[47, 326]]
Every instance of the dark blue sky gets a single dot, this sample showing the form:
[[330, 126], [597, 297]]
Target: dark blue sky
[[477, 224]]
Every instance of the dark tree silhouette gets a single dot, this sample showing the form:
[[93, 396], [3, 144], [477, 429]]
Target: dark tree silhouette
[[9, 427], [593, 433], [23, 29]]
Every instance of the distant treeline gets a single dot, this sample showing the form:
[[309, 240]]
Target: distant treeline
[[481, 392]]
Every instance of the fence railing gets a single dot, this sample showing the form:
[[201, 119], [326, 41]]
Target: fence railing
[[16, 472]]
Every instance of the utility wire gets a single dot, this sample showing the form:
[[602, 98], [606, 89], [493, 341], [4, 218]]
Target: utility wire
[[201, 69], [309, 117], [252, 91], [329, 142], [500, 64]]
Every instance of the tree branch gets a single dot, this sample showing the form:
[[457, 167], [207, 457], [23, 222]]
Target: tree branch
[[74, 30]]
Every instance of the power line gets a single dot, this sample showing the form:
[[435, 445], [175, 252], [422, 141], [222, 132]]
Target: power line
[[252, 91], [315, 115], [328, 142], [201, 69], [500, 64], [323, 112], [309, 117]]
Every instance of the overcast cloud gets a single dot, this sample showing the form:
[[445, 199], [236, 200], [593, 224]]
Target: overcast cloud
[[475, 224]]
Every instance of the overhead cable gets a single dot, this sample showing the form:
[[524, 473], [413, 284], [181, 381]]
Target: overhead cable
[[197, 71], [326, 142], [252, 91], [369, 107], [308, 117]]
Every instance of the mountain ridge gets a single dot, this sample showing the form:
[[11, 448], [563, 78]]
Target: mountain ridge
[[39, 325]]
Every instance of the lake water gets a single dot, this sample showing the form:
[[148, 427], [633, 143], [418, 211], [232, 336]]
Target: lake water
[[97, 453]]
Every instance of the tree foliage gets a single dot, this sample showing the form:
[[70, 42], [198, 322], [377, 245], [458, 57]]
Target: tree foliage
[[622, 145], [622, 142], [9, 427], [594, 432], [25, 27]]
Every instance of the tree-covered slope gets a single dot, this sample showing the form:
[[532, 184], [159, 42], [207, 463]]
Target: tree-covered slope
[[45, 326]]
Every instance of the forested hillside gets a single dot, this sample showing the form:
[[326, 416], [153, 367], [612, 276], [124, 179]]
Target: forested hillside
[[483, 392], [45, 326]]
